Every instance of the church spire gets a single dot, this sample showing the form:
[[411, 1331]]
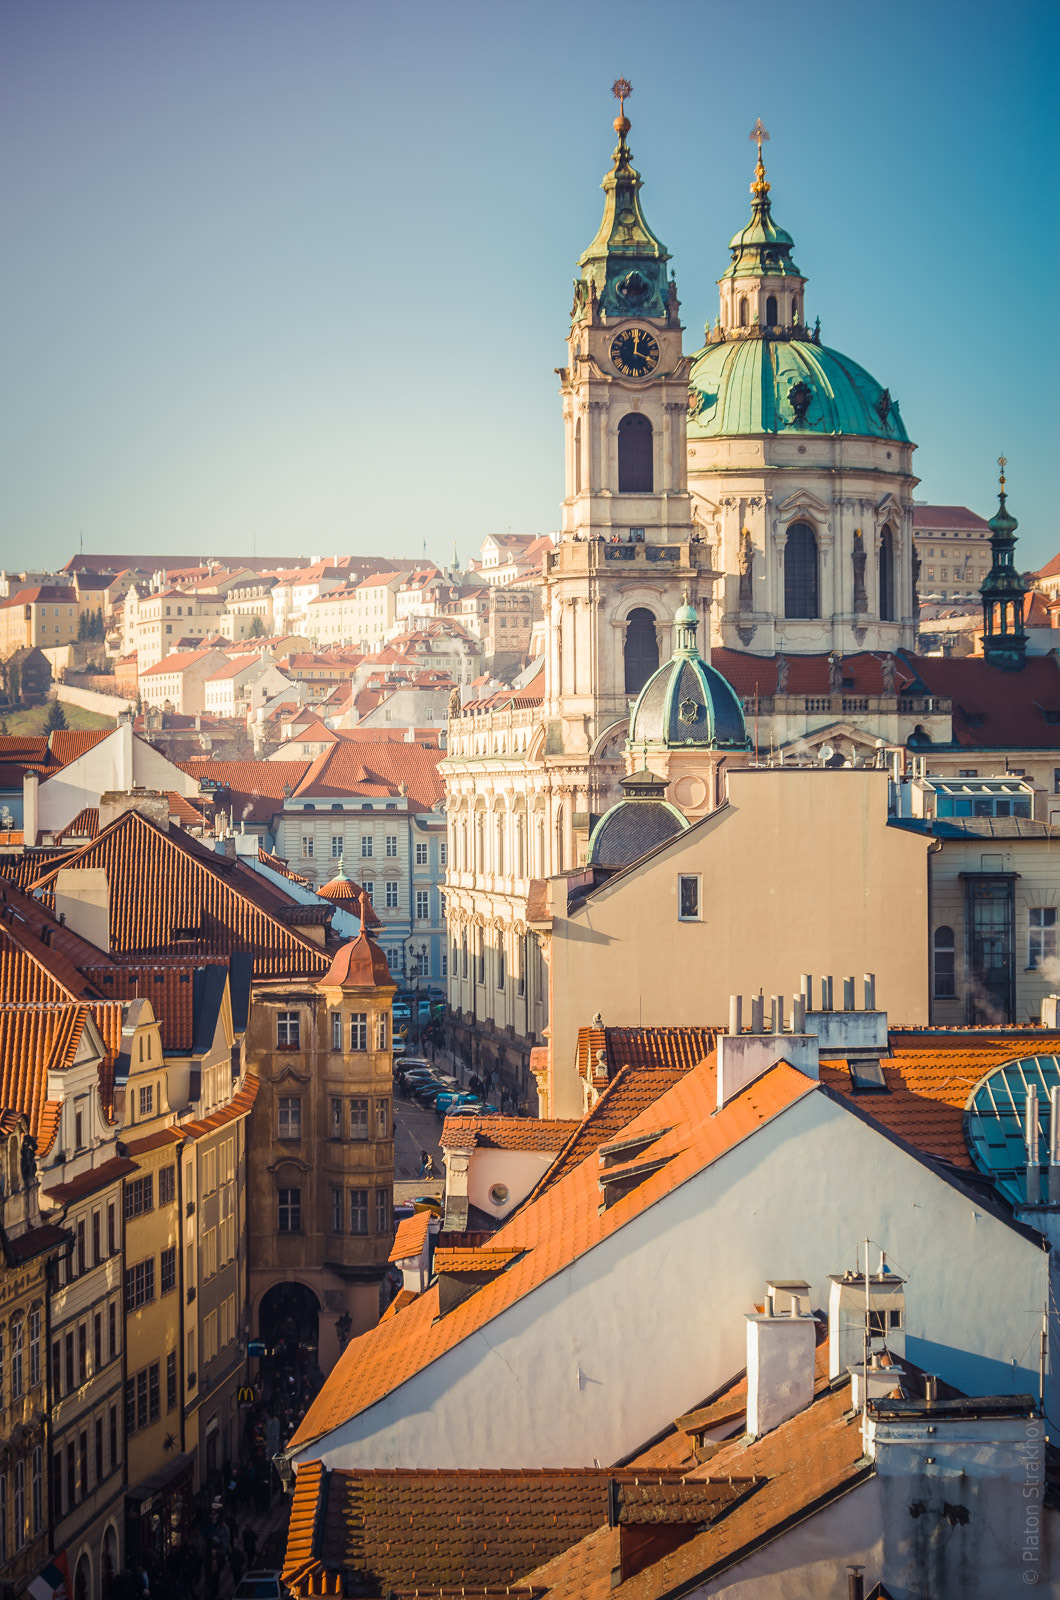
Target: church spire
[[623, 272], [761, 288], [1003, 590]]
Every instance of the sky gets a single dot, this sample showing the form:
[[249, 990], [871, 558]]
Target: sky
[[293, 277]]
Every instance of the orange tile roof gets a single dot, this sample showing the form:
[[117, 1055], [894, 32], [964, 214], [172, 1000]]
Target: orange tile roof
[[84, 826], [275, 864], [465, 1532], [473, 1258], [240, 1105], [64, 1194], [410, 1240], [551, 1230], [930, 1076], [183, 810], [66, 744], [31, 971], [44, 1037], [506, 1133], [376, 769], [403, 1298], [165, 887]]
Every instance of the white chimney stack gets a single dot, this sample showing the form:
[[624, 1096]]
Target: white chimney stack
[[1034, 1178], [778, 1013], [757, 1013], [826, 994], [1051, 1011], [798, 1013], [780, 1367], [870, 991], [848, 994], [806, 986], [736, 1013], [1054, 1145]]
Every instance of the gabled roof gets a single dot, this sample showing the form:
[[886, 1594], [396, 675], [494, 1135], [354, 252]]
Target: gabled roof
[[360, 768], [506, 1133], [39, 1038], [551, 1230], [84, 826], [928, 519], [411, 1237], [166, 888], [42, 591], [67, 744], [33, 971], [994, 709], [179, 661]]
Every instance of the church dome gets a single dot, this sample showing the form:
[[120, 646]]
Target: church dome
[[686, 702], [765, 385], [639, 822]]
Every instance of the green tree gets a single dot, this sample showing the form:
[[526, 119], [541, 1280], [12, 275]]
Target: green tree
[[256, 630], [82, 625], [56, 717], [14, 682]]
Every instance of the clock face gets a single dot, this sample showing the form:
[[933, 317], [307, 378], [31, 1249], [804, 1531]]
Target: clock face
[[635, 352]]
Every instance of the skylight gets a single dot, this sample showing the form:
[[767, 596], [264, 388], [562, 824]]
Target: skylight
[[995, 1117]]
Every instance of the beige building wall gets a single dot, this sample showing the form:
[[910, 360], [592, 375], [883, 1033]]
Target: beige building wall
[[800, 872]]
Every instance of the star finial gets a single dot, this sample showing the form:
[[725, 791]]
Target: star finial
[[622, 89], [760, 187], [1002, 462]]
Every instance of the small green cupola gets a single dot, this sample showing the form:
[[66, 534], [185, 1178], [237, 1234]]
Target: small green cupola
[[623, 272], [761, 288], [687, 702], [1003, 591]]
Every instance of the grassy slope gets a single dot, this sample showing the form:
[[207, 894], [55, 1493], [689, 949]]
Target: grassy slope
[[31, 721]]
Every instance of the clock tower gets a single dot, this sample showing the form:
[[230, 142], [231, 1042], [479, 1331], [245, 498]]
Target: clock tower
[[626, 554]]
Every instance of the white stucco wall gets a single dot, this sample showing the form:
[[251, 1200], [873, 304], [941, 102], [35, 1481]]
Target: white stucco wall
[[641, 1328], [117, 762], [518, 1170]]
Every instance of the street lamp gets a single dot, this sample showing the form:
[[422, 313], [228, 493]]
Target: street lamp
[[416, 960]]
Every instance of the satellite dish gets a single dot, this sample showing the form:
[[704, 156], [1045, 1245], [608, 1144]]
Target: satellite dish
[[825, 754]]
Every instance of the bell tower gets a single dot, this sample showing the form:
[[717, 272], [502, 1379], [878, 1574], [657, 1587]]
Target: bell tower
[[626, 550]]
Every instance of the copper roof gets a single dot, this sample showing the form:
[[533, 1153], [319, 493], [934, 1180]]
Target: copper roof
[[359, 964]]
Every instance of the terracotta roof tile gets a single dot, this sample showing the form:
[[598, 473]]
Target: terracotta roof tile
[[403, 1298], [551, 1230], [479, 1258], [33, 971], [357, 767], [275, 864], [929, 1078], [65, 1194], [411, 1237], [165, 887], [240, 1105], [506, 1133], [41, 1037], [84, 826], [67, 744]]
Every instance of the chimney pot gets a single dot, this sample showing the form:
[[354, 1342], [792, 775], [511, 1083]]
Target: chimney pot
[[778, 1013], [826, 994], [848, 994], [806, 985], [736, 1013], [757, 1013], [870, 991], [798, 1013]]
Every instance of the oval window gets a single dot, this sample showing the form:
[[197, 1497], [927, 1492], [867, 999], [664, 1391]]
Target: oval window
[[499, 1194]]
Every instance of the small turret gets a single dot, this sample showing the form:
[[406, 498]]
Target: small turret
[[1003, 591], [761, 288]]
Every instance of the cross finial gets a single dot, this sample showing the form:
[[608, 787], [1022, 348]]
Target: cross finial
[[760, 187], [1002, 462]]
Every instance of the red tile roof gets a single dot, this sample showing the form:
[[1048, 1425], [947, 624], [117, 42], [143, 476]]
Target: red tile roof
[[411, 1237], [67, 744], [751, 675], [506, 1133], [41, 1037], [551, 1230], [32, 971], [179, 661], [930, 518], [64, 1194], [386, 768], [240, 1105], [165, 887], [992, 709], [84, 826]]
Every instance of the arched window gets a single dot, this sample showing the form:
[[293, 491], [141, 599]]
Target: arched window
[[744, 314], [578, 456], [771, 311], [800, 572], [887, 575], [945, 986], [634, 455], [642, 649]]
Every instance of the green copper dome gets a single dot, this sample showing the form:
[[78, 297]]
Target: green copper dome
[[687, 702], [764, 385]]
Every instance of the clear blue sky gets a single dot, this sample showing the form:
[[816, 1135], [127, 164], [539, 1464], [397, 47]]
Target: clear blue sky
[[296, 275]]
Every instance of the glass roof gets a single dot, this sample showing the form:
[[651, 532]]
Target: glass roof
[[994, 1119]]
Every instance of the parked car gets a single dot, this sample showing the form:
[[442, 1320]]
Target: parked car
[[455, 1100], [426, 1091], [411, 1062], [263, 1585], [402, 1012]]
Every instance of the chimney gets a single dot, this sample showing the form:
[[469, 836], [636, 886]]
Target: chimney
[[806, 988], [780, 1366], [848, 994], [736, 1013], [855, 1583], [1051, 1011], [1054, 1145], [798, 1013], [870, 991], [30, 809], [846, 1316], [150, 803], [82, 902], [826, 994]]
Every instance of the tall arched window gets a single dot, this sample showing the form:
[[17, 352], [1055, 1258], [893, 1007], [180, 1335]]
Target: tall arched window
[[744, 314], [800, 572], [945, 986], [887, 575], [771, 311], [578, 456], [634, 455], [498, 865], [642, 649]]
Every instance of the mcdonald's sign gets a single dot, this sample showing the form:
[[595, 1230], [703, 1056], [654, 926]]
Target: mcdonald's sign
[[244, 1395]]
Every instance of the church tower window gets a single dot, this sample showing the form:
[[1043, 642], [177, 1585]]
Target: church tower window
[[635, 474], [744, 312], [887, 575], [642, 649], [800, 572], [771, 311], [578, 456]]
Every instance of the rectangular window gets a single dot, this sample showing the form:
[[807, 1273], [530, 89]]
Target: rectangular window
[[167, 1186], [287, 1030], [140, 1284], [358, 1210], [57, 1368], [445, 966], [358, 1030], [18, 1332], [20, 1504], [391, 844], [81, 1259], [392, 895], [139, 1196], [97, 1341], [688, 897], [382, 1119], [79, 1130], [307, 845], [290, 1114], [147, 1100], [112, 1330], [290, 1211], [336, 1210], [171, 1380], [335, 1108], [113, 1432], [423, 905], [208, 1253], [68, 1351], [140, 1382], [34, 1348], [97, 1242], [358, 1119], [112, 1243], [57, 1483], [167, 1275], [382, 1211], [367, 846], [336, 1030], [1042, 935], [336, 845], [82, 1353], [369, 889], [37, 1491], [99, 1449], [1056, 780], [154, 1393], [380, 1040], [422, 851], [71, 1474], [443, 855]]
